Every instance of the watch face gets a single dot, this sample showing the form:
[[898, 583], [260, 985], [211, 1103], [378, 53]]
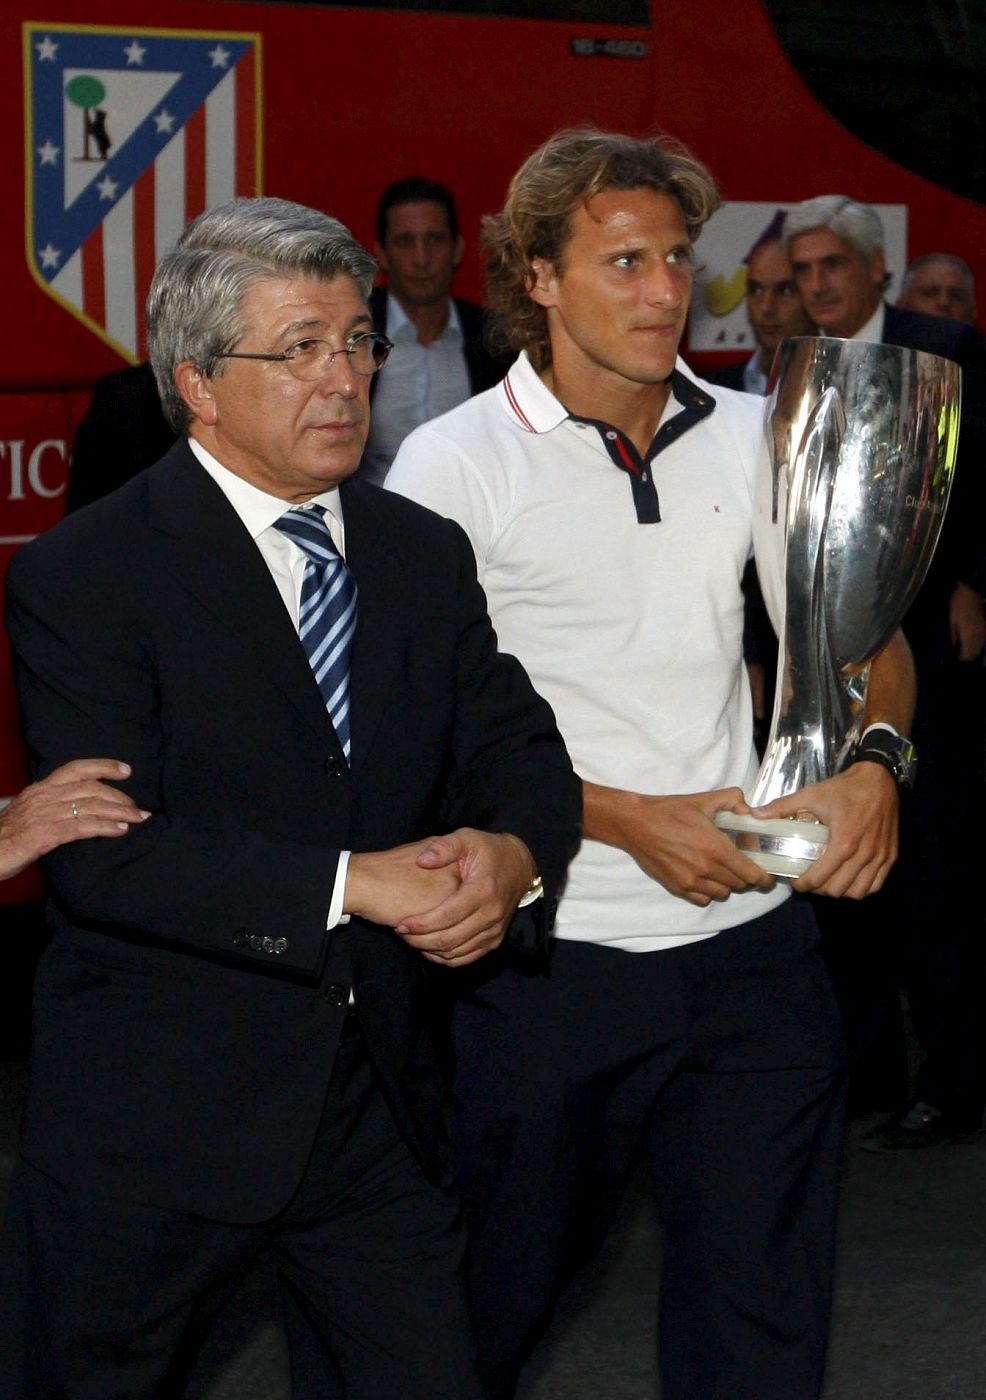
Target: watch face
[[896, 753]]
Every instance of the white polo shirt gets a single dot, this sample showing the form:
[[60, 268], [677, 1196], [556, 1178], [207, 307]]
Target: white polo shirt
[[632, 631]]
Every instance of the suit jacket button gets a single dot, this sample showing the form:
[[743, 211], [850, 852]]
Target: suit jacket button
[[336, 994], [256, 942], [280, 945], [240, 939], [334, 767], [267, 944]]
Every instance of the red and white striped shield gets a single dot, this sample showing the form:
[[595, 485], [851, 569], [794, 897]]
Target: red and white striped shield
[[131, 133]]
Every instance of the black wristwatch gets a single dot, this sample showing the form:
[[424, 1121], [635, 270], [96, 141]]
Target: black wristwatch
[[892, 751]]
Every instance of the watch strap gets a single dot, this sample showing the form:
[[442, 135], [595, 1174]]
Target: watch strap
[[892, 751]]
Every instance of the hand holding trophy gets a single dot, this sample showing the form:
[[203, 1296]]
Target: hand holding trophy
[[861, 442]]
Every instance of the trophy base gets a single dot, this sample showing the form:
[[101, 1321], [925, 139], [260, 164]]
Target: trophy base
[[784, 847]]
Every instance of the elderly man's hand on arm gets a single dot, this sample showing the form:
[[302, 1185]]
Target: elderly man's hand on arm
[[451, 897], [69, 805]]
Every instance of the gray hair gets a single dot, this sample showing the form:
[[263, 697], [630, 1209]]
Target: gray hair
[[859, 224], [194, 307], [953, 258]]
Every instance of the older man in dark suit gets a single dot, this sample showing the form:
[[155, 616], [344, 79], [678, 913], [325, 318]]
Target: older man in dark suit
[[234, 1052], [930, 945]]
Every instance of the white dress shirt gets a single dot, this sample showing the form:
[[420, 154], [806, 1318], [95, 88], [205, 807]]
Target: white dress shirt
[[286, 562], [418, 383], [872, 329]]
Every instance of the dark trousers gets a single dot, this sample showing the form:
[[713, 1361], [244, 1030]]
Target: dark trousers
[[724, 1059], [923, 933], [107, 1300]]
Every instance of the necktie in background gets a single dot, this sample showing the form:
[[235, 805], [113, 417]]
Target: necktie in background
[[328, 612]]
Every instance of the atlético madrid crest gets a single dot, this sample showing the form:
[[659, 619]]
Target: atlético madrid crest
[[130, 133]]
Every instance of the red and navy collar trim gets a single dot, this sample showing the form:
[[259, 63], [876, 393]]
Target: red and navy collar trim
[[696, 405]]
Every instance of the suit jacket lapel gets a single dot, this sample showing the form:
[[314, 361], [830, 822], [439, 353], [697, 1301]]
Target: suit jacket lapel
[[381, 622], [208, 548]]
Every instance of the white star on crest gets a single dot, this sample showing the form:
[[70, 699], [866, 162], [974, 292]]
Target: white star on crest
[[46, 50], [49, 152], [220, 56], [164, 122], [50, 256], [107, 188], [135, 53]]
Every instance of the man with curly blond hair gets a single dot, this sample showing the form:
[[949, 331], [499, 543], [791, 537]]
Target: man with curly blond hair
[[607, 495]]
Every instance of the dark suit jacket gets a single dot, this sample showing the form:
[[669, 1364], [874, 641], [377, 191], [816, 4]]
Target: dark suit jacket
[[180, 1059], [123, 432], [484, 369], [731, 377], [936, 334], [961, 552]]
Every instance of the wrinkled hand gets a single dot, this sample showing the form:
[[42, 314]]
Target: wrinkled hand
[[69, 805], [492, 871], [674, 841], [859, 806], [967, 622], [385, 886]]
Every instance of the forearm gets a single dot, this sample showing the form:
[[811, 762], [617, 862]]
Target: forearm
[[219, 861], [205, 890], [673, 839], [892, 689], [607, 813]]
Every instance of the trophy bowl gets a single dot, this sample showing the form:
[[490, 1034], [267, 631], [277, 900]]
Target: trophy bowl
[[849, 503]]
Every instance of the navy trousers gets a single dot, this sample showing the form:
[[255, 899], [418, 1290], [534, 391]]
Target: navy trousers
[[724, 1059], [102, 1299]]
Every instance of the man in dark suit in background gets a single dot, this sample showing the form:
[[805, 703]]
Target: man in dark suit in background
[[439, 355], [233, 1051], [123, 432], [774, 310], [920, 934]]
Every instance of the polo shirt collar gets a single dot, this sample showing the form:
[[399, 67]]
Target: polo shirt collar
[[535, 408]]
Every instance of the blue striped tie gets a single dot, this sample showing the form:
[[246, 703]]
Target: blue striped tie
[[328, 612]]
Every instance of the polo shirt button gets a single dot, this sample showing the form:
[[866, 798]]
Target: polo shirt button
[[611, 435], [334, 767], [336, 994]]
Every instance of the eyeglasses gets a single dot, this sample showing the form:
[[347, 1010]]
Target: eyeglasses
[[311, 358]]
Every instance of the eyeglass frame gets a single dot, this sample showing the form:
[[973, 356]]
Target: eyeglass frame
[[286, 357]]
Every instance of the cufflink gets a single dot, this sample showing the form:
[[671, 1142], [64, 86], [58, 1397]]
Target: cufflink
[[534, 891]]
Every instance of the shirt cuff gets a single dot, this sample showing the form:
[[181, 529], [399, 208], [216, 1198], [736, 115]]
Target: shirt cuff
[[336, 916]]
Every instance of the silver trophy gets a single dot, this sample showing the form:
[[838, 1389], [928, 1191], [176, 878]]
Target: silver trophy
[[849, 505]]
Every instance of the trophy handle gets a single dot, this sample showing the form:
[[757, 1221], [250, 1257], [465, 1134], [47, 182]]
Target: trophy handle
[[811, 701]]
